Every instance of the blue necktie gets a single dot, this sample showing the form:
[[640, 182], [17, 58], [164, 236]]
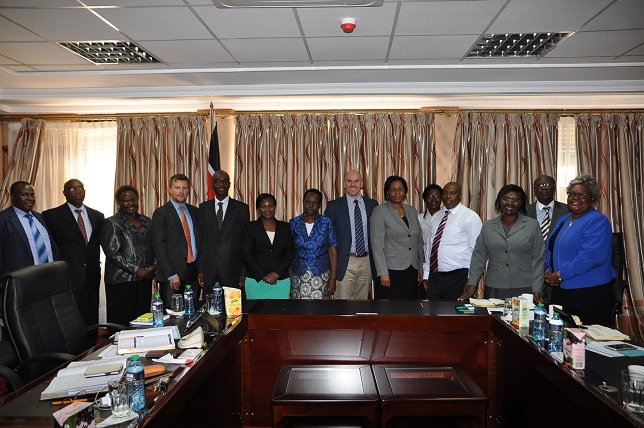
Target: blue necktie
[[360, 249], [41, 249]]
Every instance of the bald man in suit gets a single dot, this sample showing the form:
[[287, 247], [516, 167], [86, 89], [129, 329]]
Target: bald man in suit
[[22, 245], [79, 248]]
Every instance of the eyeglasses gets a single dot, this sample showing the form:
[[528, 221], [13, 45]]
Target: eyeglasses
[[222, 181], [573, 195], [544, 186], [512, 200], [434, 196], [73, 189]]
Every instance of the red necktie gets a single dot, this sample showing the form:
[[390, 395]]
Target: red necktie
[[186, 232], [81, 225]]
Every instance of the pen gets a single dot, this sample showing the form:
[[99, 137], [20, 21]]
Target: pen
[[58, 403]]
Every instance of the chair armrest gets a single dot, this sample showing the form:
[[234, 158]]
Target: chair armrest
[[56, 357], [13, 380], [112, 327]]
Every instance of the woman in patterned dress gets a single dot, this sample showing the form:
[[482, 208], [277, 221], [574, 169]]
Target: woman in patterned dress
[[313, 271]]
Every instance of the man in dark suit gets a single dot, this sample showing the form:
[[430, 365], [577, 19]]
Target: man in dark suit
[[221, 226], [174, 237], [354, 261], [546, 211], [24, 237], [75, 228]]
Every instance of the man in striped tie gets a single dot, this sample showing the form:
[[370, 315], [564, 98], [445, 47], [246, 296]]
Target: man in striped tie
[[174, 237], [546, 211], [24, 238], [452, 237]]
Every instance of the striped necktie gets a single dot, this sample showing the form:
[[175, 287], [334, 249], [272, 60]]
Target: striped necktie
[[41, 249], [433, 256], [545, 223], [81, 225], [220, 215], [359, 232]]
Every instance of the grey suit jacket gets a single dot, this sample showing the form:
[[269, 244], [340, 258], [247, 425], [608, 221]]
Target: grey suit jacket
[[514, 261], [393, 244], [558, 210]]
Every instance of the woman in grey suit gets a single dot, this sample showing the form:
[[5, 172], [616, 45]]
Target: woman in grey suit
[[512, 244], [397, 244]]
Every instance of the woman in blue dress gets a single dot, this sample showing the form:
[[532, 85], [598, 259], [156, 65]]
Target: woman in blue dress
[[313, 271]]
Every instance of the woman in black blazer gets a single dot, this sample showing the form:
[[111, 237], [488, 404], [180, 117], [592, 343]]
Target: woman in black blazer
[[267, 251]]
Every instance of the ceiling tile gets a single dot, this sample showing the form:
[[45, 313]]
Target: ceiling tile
[[170, 23], [370, 21], [39, 53], [622, 15], [130, 3], [6, 61], [10, 32], [439, 18], [348, 48], [37, 3], [527, 16], [249, 23], [63, 24], [276, 49], [431, 47], [209, 51], [598, 43]]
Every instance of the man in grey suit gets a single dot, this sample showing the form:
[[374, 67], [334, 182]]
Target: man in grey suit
[[174, 238], [546, 211], [354, 265], [221, 227]]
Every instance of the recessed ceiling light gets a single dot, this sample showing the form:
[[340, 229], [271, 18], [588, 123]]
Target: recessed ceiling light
[[518, 45], [110, 52]]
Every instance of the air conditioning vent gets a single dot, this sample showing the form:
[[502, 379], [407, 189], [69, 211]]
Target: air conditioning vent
[[227, 4]]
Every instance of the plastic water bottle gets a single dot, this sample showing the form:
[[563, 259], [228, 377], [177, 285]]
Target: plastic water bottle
[[189, 298], [539, 325], [556, 334], [135, 376], [157, 311], [219, 297]]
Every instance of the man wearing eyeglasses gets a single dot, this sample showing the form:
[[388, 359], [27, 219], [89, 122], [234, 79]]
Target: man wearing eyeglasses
[[221, 226], [546, 211]]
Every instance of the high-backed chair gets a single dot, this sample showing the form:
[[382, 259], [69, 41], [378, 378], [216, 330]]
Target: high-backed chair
[[619, 283], [41, 317]]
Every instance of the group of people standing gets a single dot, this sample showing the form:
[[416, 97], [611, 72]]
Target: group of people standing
[[560, 253]]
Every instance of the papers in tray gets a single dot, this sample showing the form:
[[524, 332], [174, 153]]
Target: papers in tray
[[486, 303], [601, 333], [71, 380], [144, 340], [146, 320]]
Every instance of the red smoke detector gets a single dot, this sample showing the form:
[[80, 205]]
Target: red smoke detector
[[348, 25]]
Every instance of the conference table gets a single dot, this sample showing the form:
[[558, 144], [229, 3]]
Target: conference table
[[233, 383]]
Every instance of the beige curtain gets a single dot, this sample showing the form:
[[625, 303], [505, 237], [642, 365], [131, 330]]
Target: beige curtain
[[495, 149], [25, 157], [288, 154], [152, 149], [610, 149]]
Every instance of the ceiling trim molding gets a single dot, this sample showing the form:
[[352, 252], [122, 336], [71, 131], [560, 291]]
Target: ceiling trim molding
[[378, 88]]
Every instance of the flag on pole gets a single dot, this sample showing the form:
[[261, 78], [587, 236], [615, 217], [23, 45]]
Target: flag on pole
[[214, 161]]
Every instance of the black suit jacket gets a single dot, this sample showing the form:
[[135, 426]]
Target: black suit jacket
[[15, 252], [169, 242], [338, 211], [220, 251], [83, 260], [260, 256], [558, 210]]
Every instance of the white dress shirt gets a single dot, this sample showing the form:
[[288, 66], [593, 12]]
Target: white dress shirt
[[88, 225], [459, 237]]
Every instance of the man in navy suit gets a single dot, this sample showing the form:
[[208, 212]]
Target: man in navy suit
[[354, 263], [75, 228], [24, 237], [174, 237], [221, 227]]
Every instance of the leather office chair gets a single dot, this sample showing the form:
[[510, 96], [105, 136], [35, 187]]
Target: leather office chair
[[41, 317], [619, 283]]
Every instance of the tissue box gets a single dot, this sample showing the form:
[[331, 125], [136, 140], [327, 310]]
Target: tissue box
[[232, 298], [76, 415], [520, 313], [574, 348]]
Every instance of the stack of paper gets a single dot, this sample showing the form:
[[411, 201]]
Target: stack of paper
[[486, 303], [71, 380], [146, 320], [601, 333], [144, 340]]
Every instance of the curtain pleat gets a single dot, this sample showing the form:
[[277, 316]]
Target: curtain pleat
[[610, 149], [288, 154], [152, 149], [495, 149], [25, 157]]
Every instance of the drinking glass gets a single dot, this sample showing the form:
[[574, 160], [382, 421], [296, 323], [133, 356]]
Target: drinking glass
[[177, 304], [120, 397], [633, 392]]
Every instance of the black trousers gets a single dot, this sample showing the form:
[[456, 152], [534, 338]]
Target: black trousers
[[591, 304], [446, 285], [166, 292]]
